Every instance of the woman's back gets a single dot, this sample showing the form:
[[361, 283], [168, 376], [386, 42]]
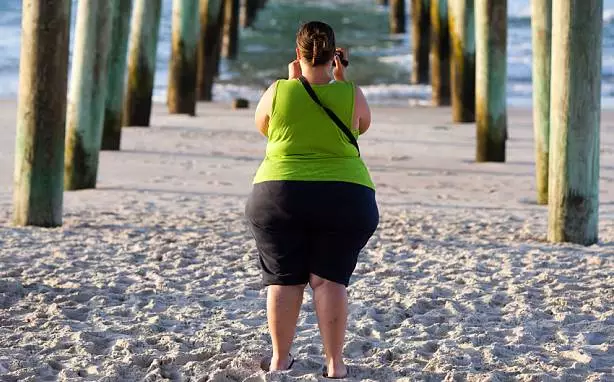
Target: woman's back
[[299, 126], [303, 141]]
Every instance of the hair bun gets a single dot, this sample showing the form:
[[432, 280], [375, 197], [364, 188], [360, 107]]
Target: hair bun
[[321, 47], [316, 41]]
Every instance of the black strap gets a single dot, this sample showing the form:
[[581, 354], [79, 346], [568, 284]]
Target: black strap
[[330, 113]]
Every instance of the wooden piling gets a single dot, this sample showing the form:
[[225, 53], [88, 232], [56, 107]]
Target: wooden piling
[[249, 10], [182, 67], [116, 72], [142, 62], [491, 79], [86, 100], [397, 16], [541, 25], [211, 23], [421, 39], [462, 32], [573, 200], [230, 46], [41, 113], [440, 53]]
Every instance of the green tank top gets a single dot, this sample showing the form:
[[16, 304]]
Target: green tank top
[[303, 141]]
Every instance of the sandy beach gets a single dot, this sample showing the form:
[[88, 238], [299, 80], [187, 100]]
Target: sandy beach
[[153, 275]]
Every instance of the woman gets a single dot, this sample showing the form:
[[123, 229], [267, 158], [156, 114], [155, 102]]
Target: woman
[[312, 207]]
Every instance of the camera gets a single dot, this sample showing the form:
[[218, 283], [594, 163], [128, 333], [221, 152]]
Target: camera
[[344, 62]]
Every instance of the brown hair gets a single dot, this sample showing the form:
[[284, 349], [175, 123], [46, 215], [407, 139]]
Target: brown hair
[[316, 42]]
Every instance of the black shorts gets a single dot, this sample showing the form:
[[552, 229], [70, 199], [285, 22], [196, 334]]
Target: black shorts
[[304, 228]]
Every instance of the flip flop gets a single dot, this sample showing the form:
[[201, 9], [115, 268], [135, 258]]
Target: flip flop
[[347, 373], [265, 364]]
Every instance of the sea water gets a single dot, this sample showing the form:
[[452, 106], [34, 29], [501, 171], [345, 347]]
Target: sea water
[[380, 62]]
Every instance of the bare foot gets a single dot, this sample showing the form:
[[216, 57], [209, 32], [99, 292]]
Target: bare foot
[[336, 371], [281, 363]]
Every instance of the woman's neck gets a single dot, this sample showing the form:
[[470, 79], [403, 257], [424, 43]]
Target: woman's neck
[[316, 74]]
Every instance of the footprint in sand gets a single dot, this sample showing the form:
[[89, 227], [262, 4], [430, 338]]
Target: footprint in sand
[[358, 348]]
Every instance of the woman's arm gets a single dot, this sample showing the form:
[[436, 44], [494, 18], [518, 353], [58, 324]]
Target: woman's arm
[[264, 109], [362, 113]]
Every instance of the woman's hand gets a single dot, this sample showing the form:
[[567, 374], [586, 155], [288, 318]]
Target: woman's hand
[[294, 70], [339, 69]]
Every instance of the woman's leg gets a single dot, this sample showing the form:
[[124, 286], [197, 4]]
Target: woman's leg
[[331, 303], [283, 306]]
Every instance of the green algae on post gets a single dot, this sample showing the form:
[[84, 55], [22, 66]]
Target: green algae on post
[[183, 64], [116, 72], [575, 99], [541, 25], [86, 101], [41, 114], [491, 80], [142, 62], [462, 32]]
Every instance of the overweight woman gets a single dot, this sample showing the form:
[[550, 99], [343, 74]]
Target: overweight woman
[[312, 207]]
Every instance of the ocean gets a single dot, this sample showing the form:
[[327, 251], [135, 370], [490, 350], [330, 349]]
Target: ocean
[[380, 62]]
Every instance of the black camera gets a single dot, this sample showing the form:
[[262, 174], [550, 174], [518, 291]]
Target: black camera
[[344, 62]]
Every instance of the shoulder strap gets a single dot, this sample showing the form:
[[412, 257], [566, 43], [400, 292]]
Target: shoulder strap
[[330, 113]]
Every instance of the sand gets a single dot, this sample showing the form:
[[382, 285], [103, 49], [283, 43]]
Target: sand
[[154, 277]]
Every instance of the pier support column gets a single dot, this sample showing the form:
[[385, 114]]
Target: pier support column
[[230, 45], [249, 12], [397, 16], [41, 113], [421, 30], [211, 23], [440, 53], [142, 62], [86, 101], [491, 80], [573, 200], [183, 64], [462, 32], [541, 25], [118, 54]]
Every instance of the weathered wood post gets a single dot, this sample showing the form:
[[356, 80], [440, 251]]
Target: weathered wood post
[[142, 62], [183, 63], [41, 113], [491, 79], [211, 22], [111, 134], [462, 32], [440, 53], [541, 25], [420, 30], [249, 12], [230, 46], [86, 100], [397, 16], [573, 200]]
